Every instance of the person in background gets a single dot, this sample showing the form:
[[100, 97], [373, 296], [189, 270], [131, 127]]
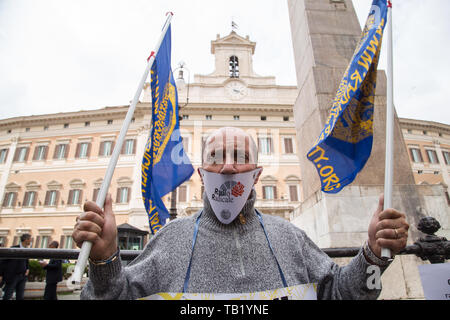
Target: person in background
[[15, 272], [54, 274]]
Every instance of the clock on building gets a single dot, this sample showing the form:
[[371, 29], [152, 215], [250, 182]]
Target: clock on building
[[236, 90]]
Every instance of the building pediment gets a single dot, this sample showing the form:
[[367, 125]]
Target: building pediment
[[233, 39]]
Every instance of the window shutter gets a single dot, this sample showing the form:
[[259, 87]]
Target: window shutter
[[55, 153], [35, 153], [411, 155], [80, 198], [88, 152], [16, 154], [436, 157], [77, 152], [288, 145], [57, 198], [128, 195], [45, 153], [61, 242], [182, 194], [123, 147], [5, 198], [6, 155], [37, 243], [264, 192], [70, 199], [15, 200], [119, 191], [134, 146], [95, 195], [47, 197], [35, 198], [25, 198], [101, 150], [275, 193], [27, 154], [66, 151], [293, 195]]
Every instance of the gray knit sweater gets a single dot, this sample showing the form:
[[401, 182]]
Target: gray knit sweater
[[232, 258]]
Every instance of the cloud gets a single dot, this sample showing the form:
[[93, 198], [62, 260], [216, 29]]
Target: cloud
[[71, 55]]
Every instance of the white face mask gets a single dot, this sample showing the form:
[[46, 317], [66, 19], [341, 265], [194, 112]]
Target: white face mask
[[228, 193]]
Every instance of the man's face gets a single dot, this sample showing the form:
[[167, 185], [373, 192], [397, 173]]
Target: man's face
[[26, 242], [229, 151]]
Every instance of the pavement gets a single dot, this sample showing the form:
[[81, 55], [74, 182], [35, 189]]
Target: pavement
[[72, 296]]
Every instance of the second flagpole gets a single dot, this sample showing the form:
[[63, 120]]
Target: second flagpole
[[389, 163], [75, 279]]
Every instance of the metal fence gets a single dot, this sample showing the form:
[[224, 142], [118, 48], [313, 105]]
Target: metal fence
[[433, 248]]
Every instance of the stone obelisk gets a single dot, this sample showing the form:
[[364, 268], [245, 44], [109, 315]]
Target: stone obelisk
[[324, 36]]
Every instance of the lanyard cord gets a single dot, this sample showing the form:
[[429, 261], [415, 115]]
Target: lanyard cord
[[194, 239]]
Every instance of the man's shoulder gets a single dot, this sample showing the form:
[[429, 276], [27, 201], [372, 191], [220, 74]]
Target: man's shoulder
[[177, 226], [279, 222]]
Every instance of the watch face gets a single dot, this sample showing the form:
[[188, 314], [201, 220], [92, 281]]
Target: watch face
[[236, 90]]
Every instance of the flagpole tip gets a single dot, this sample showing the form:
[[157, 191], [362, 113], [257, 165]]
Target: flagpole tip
[[151, 54], [169, 12]]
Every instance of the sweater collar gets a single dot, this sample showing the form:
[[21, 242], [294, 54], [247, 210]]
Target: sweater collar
[[246, 219]]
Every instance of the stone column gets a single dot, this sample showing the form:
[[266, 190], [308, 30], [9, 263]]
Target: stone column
[[324, 36]]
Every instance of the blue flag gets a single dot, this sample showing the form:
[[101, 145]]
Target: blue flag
[[165, 165], [345, 143]]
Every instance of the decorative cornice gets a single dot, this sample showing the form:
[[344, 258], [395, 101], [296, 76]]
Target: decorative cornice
[[424, 124]]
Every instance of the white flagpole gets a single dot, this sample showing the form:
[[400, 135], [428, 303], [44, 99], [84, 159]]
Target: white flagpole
[[87, 245], [389, 164]]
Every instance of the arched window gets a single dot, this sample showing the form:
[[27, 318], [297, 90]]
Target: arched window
[[234, 67]]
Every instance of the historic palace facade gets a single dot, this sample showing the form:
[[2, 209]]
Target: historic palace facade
[[51, 164]]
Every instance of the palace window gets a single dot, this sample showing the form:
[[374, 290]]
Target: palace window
[[265, 145], [416, 155], [40, 153], [269, 192], [446, 155], [21, 154], [29, 199], [75, 196], [129, 147], [432, 157], [123, 195], [234, 67], [51, 198], [182, 194], [288, 146], [61, 151], [106, 148], [83, 150], [3, 155], [293, 193], [10, 199]]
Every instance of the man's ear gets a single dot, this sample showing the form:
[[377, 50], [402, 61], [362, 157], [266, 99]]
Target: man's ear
[[259, 174], [198, 171]]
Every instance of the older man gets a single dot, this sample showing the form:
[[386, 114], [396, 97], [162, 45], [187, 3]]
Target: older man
[[229, 247]]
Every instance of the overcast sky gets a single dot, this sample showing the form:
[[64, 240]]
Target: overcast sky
[[70, 55]]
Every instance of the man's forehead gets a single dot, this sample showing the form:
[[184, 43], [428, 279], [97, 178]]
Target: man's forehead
[[229, 136]]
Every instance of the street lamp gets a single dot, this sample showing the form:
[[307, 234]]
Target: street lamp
[[181, 84]]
